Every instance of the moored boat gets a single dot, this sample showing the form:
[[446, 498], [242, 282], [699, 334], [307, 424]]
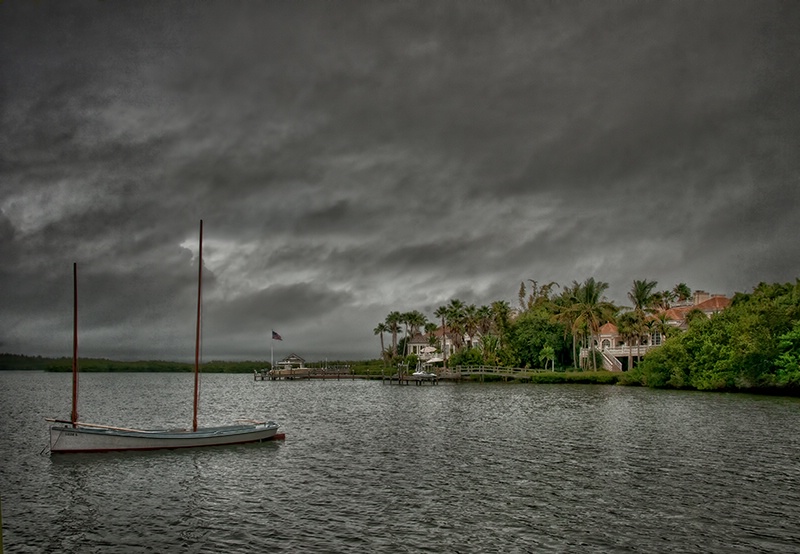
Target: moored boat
[[76, 436], [85, 437]]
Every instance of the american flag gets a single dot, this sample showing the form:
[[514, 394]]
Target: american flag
[[276, 336]]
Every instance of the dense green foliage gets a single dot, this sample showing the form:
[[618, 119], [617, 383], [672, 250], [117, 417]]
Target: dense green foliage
[[19, 362], [542, 332], [753, 345], [534, 333]]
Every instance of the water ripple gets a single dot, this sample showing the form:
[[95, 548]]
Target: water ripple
[[368, 467]]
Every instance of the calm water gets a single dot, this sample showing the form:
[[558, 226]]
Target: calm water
[[368, 467]]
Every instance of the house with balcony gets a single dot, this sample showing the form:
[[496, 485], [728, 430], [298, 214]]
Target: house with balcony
[[619, 355]]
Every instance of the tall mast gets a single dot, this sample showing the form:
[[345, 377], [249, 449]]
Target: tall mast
[[74, 344], [197, 335]]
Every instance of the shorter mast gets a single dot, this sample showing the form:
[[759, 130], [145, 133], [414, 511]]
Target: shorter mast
[[197, 334], [74, 344]]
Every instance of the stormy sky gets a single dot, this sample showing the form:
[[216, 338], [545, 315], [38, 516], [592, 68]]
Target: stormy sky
[[354, 158]]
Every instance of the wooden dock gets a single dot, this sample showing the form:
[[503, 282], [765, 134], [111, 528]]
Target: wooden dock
[[408, 379], [304, 373], [462, 373], [457, 374]]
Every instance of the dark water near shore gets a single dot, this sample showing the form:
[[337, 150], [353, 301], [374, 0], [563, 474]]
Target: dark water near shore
[[368, 467]]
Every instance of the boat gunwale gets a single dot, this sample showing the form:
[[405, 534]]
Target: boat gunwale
[[223, 430]]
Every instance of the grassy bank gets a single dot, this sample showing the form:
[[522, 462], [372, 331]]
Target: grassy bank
[[552, 377]]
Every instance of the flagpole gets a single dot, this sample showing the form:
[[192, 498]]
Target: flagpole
[[271, 354]]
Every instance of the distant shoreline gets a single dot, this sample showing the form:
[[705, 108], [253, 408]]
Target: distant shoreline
[[21, 362], [92, 365]]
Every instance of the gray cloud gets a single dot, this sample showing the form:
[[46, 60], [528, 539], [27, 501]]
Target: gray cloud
[[351, 159]]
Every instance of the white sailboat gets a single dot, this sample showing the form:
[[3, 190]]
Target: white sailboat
[[76, 436]]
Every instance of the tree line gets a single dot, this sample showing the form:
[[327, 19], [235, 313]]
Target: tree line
[[89, 365], [548, 326], [753, 344], [19, 362]]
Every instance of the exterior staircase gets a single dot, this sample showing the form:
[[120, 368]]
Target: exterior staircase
[[610, 362]]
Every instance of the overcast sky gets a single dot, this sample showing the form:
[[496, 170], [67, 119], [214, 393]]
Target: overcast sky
[[354, 158]]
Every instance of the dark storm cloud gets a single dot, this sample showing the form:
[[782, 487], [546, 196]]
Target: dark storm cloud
[[350, 159]]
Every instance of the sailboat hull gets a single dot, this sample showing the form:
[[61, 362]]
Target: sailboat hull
[[69, 439], [75, 436]]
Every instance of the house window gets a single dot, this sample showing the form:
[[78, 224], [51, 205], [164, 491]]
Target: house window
[[656, 339], [606, 343]]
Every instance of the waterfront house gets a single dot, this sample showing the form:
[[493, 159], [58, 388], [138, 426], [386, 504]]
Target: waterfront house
[[617, 353], [433, 346]]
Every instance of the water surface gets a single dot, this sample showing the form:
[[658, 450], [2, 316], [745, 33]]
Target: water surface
[[371, 467]]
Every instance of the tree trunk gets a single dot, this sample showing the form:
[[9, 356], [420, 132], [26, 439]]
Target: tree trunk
[[574, 352]]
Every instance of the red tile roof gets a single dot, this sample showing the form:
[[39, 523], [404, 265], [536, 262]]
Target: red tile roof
[[677, 314], [715, 303], [609, 329]]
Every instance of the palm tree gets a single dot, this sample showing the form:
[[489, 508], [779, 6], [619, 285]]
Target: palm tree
[[441, 312], [565, 314], [581, 331], [644, 300], [470, 322], [501, 313], [404, 321], [592, 310], [627, 327], [642, 332], [661, 326], [484, 320], [642, 295], [380, 329], [393, 321], [662, 300], [682, 292], [417, 320], [414, 321], [430, 333], [455, 321]]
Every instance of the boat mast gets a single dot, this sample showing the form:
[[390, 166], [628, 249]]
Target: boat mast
[[197, 335], [74, 344]]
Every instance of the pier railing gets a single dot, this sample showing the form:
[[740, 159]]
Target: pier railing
[[465, 371]]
